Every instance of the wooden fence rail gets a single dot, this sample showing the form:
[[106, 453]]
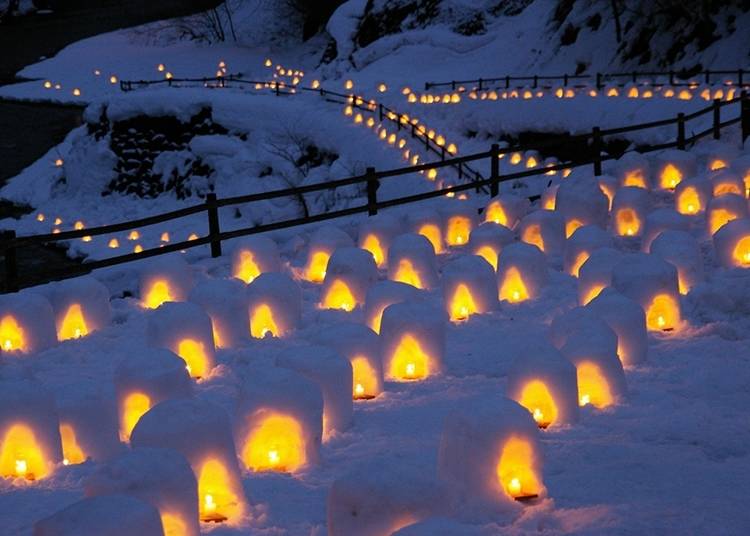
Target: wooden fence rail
[[10, 243]]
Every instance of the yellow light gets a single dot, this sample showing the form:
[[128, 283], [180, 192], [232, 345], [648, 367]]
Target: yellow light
[[459, 229], [173, 525], [194, 354], [316, 267], [533, 235], [276, 444], [262, 322], [721, 188], [21, 456], [86, 238], [47, 84], [515, 158], [537, 399], [133, 408], [164, 237], [571, 226], [158, 293], [348, 84], [633, 93], [513, 289], [612, 92], [138, 248], [717, 164], [462, 304], [382, 88], [113, 79], [78, 225], [663, 314], [531, 162], [489, 254], [12, 334], [515, 470], [160, 67], [59, 162], [72, 451], [593, 387], [406, 273], [76, 92], [582, 257], [134, 235], [372, 244], [671, 176], [741, 252], [409, 361], [685, 95], [21, 468], [495, 213], [246, 269], [40, 217], [218, 501], [113, 243], [364, 379], [720, 217], [73, 325], [339, 297], [689, 201], [635, 178], [592, 293], [628, 223]]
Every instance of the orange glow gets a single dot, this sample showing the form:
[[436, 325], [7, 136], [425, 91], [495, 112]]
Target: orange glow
[[489, 254], [21, 455], [158, 293], [316, 268], [515, 469], [684, 95], [513, 288], [721, 188], [515, 158], [635, 178], [720, 217], [372, 244], [592, 293], [717, 163], [216, 501], [339, 297], [496, 214], [533, 235], [432, 233], [689, 201], [173, 525], [671, 176], [663, 314], [405, 273], [628, 223], [531, 162], [571, 226], [246, 268], [12, 335], [374, 321], [194, 355], [409, 361], [262, 322], [536, 398], [633, 93], [741, 252], [72, 451], [459, 229], [364, 379], [133, 408], [276, 444], [549, 204], [462, 304], [612, 92], [582, 257], [593, 387], [73, 325]]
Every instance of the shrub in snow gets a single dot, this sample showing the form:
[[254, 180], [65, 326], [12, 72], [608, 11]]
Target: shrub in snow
[[411, 260], [660, 220], [381, 295], [279, 420], [323, 243], [333, 374], [413, 338], [254, 256], [521, 272], [113, 515], [185, 329], [627, 320], [376, 234], [469, 287], [350, 273], [506, 209], [630, 207], [545, 383], [459, 219], [633, 169], [428, 223], [582, 243], [732, 244], [580, 201], [544, 229], [490, 458], [160, 477], [163, 279], [362, 347], [595, 273], [692, 196], [724, 209], [369, 501], [80, 305], [27, 323], [225, 302], [88, 423], [274, 305], [725, 181], [652, 282], [672, 166], [200, 431], [682, 250], [488, 240], [144, 379], [30, 444]]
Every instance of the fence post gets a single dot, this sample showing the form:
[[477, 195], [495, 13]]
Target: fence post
[[740, 74], [681, 131], [635, 77], [745, 115], [213, 224], [453, 85], [494, 170], [717, 118], [565, 80], [507, 81], [536, 81], [708, 76], [372, 189], [671, 78], [380, 111], [11, 264], [480, 83], [596, 146]]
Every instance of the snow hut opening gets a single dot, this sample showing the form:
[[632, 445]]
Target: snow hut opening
[[516, 469], [276, 443], [469, 287], [721, 210], [21, 455], [350, 273], [254, 256], [274, 302], [521, 272], [12, 335], [411, 260], [322, 244], [165, 279], [27, 323]]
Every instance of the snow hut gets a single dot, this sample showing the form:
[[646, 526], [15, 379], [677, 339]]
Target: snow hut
[[80, 305], [595, 273], [144, 379], [506, 210], [521, 272], [582, 243], [164, 279], [633, 169], [660, 220], [732, 244], [726, 181], [376, 234], [722, 210], [323, 243], [351, 271], [469, 287], [488, 240], [682, 250], [333, 374], [627, 319], [428, 223], [411, 260], [30, 445], [225, 302], [692, 196], [27, 323], [629, 210], [254, 256], [381, 295], [274, 305], [185, 329], [460, 219], [672, 167], [544, 229], [580, 201], [200, 431], [413, 338]]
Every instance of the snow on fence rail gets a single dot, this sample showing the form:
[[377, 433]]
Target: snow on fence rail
[[10, 243], [634, 77]]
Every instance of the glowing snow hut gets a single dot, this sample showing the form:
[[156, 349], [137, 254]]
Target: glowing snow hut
[[732, 244], [164, 279], [351, 271], [321, 246], [630, 208], [595, 274], [381, 295], [544, 229], [579, 247], [682, 250], [469, 287], [274, 306], [672, 166], [225, 302], [81, 306], [27, 323], [376, 234], [521, 272], [411, 260], [488, 240], [254, 256]]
